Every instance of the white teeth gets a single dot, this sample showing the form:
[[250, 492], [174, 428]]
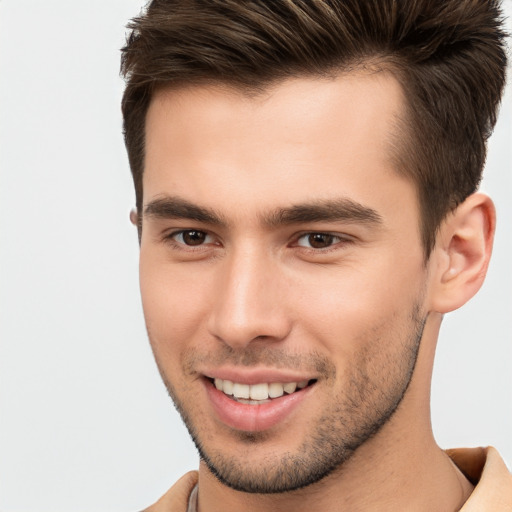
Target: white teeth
[[258, 392], [290, 387], [227, 387], [241, 390], [275, 390]]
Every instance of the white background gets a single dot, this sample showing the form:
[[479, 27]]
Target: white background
[[85, 424]]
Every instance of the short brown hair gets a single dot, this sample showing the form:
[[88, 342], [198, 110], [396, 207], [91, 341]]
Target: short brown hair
[[448, 55]]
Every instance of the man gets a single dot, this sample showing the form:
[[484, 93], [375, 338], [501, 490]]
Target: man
[[306, 176]]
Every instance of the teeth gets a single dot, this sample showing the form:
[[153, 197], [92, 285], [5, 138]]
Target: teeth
[[258, 392], [227, 387], [241, 390], [275, 390], [290, 387]]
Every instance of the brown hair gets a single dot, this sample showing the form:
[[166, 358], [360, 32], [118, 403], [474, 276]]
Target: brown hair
[[449, 56]]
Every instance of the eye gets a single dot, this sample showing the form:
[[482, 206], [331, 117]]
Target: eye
[[318, 240], [191, 237]]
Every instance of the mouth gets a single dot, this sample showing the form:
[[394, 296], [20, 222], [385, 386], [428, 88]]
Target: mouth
[[258, 399], [260, 393]]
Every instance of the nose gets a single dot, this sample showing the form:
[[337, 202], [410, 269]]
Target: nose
[[250, 304]]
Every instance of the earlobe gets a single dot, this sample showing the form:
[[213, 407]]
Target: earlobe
[[464, 249]]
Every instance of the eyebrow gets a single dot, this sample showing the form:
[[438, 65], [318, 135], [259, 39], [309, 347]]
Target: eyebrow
[[337, 210], [171, 207], [334, 210]]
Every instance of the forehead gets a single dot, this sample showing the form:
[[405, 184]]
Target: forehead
[[304, 138]]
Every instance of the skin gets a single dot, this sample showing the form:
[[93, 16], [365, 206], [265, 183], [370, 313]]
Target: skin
[[229, 284]]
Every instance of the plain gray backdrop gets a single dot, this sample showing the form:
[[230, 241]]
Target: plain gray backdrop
[[85, 424]]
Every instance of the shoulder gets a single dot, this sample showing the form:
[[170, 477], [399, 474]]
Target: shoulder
[[176, 498], [485, 468]]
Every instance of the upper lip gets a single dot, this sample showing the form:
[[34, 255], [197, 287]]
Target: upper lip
[[257, 375]]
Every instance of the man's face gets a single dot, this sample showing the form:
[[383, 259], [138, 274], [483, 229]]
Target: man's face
[[280, 250]]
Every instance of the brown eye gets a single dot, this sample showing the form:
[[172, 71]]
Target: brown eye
[[191, 237], [320, 240]]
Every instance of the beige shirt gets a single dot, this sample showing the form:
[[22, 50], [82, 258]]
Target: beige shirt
[[483, 467]]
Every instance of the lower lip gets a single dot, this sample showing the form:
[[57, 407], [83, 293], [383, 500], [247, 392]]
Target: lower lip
[[254, 418]]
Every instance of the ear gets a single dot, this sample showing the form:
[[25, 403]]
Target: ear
[[463, 251], [137, 222], [134, 218]]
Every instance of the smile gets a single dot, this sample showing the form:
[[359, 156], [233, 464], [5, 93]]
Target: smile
[[256, 405], [255, 394]]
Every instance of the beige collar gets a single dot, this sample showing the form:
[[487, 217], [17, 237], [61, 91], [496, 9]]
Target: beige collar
[[484, 468]]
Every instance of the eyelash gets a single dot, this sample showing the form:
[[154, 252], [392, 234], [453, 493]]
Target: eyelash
[[171, 239], [337, 240], [335, 245]]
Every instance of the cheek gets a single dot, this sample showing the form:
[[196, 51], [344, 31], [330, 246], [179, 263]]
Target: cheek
[[173, 305], [352, 307]]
